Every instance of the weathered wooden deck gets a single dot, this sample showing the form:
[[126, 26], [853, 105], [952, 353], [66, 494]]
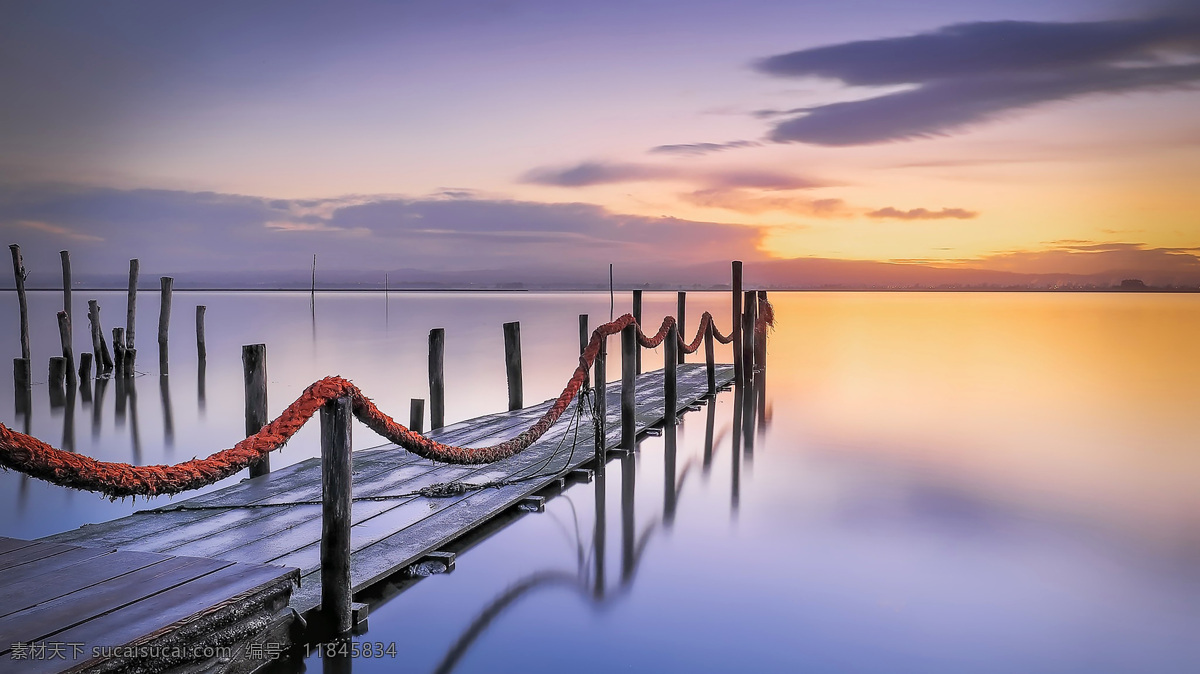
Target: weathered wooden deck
[[59, 602], [276, 518]]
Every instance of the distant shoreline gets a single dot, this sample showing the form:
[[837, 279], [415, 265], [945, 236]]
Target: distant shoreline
[[1141, 291]]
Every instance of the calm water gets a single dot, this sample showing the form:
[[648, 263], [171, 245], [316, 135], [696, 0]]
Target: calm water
[[942, 482]]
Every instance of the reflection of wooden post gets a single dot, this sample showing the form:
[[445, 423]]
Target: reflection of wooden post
[[166, 284], [737, 320], [201, 349], [64, 337], [681, 316], [22, 301], [637, 316], [416, 415], [629, 346], [512, 361], [254, 370], [336, 495], [131, 302], [670, 376], [437, 378]]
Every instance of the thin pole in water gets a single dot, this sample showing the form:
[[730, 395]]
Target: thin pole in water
[[611, 300]]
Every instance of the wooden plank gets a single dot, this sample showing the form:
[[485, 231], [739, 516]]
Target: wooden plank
[[50, 565], [44, 620], [30, 553], [142, 621], [9, 544], [58, 582]]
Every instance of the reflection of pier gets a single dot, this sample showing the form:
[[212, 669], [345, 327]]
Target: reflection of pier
[[589, 580]]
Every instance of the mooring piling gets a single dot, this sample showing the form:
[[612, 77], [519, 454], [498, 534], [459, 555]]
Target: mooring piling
[[166, 284], [598, 383], [437, 379], [681, 319], [584, 335], [637, 316], [512, 362], [131, 302], [65, 256], [99, 345], [22, 301], [670, 376], [64, 338], [629, 347], [85, 366], [254, 371], [130, 356], [58, 371], [416, 415], [201, 349], [710, 359], [760, 344], [336, 494], [751, 316], [736, 319], [118, 346]]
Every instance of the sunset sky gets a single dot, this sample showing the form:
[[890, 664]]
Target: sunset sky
[[1005, 134]]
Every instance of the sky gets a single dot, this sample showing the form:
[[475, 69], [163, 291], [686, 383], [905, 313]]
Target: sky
[[1006, 135]]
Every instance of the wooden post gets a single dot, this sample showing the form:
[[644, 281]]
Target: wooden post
[[760, 340], [710, 359], [736, 319], [681, 318], [118, 342], [85, 366], [58, 371], [131, 302], [22, 301], [670, 376], [99, 346], [584, 338], [416, 415], [599, 379], [336, 494], [254, 371], [629, 346], [130, 357], [437, 381], [64, 337], [201, 349], [637, 316], [748, 334], [65, 256], [512, 360], [166, 284], [21, 374]]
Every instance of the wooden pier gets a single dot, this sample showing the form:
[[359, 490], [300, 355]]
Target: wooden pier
[[276, 518], [70, 608]]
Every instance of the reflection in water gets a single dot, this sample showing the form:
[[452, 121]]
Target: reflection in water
[[98, 406], [135, 436], [164, 390], [68, 440], [122, 394], [633, 547], [736, 454], [201, 377]]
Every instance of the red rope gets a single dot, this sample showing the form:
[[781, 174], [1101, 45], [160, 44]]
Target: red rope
[[33, 457]]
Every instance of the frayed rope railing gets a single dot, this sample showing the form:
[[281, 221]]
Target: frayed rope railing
[[31, 456]]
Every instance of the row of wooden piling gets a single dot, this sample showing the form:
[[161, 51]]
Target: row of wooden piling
[[119, 362]]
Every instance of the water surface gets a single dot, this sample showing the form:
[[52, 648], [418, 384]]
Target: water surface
[[940, 482]]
